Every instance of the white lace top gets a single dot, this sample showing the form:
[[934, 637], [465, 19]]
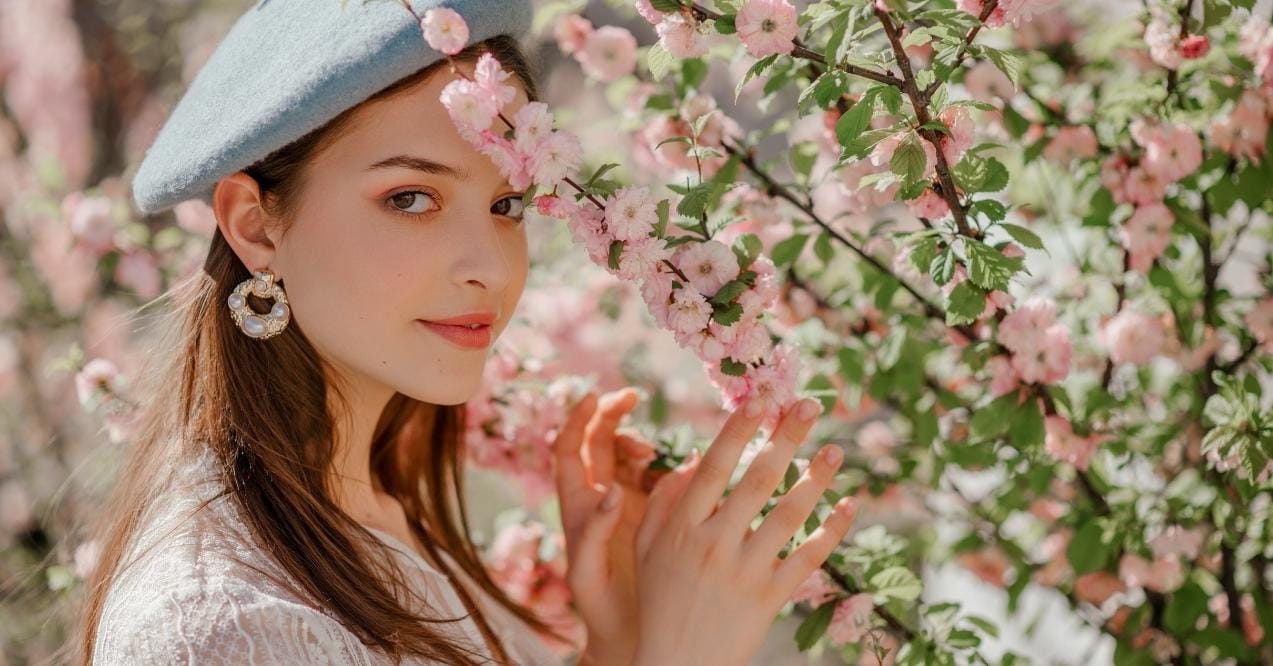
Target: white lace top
[[205, 593]]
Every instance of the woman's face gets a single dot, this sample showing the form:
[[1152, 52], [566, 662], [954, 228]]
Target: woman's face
[[402, 222]]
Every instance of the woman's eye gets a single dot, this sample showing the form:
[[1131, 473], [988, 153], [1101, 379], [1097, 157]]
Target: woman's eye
[[411, 202], [512, 207]]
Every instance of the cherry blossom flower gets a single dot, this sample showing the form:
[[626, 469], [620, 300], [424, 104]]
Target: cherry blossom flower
[[1260, 322], [1172, 150], [851, 619], [571, 32], [1133, 337], [708, 265], [445, 30], [96, 377], [689, 310], [767, 27], [631, 213], [609, 53], [1062, 443], [681, 37], [1072, 142], [816, 590], [1146, 235]]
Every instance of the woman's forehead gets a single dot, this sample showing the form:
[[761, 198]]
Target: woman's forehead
[[415, 124]]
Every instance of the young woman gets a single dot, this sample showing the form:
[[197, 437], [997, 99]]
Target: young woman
[[295, 496]]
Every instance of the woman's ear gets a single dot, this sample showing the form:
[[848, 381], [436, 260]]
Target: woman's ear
[[236, 201]]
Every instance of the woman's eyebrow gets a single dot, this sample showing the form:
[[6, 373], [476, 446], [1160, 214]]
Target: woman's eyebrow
[[421, 164]]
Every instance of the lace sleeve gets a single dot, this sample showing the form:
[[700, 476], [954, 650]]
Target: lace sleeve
[[220, 624]]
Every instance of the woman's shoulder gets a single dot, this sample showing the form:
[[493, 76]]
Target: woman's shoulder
[[195, 588]]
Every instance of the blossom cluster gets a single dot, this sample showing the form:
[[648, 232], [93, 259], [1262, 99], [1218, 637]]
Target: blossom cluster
[[709, 295]]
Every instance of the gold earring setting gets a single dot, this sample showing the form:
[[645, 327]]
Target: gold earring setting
[[253, 324]]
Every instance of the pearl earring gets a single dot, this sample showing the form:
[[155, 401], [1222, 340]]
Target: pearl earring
[[253, 324]]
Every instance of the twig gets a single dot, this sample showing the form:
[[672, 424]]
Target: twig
[[962, 53]]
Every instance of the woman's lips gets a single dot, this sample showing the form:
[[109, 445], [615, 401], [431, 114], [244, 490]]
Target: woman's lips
[[463, 336]]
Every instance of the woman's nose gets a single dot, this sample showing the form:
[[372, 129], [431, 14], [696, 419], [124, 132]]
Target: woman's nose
[[482, 259]]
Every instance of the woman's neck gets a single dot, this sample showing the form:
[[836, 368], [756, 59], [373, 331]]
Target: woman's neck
[[353, 487]]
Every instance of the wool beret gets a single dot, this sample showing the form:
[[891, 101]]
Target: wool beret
[[287, 67]]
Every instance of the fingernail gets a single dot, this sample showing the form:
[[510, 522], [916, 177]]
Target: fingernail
[[612, 498], [809, 409], [846, 506], [833, 455], [753, 407]]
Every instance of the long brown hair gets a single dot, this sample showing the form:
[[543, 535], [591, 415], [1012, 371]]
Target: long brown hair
[[264, 410]]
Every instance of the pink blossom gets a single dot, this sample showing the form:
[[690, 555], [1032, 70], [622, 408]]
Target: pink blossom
[[1097, 587], [1172, 151], [1194, 46], [710, 344], [516, 566], [1048, 360], [681, 37], [196, 217], [961, 134], [1177, 541], [510, 161], [642, 256], [91, 221], [1161, 575], [1003, 379], [1133, 337], [609, 53], [491, 79], [929, 205], [876, 439], [1063, 444], [764, 293], [851, 619], [656, 291], [689, 311], [1025, 327], [96, 377], [816, 590], [534, 123], [1163, 38], [708, 265], [445, 30], [987, 83], [556, 158], [1143, 186], [751, 343], [1255, 43], [571, 32], [997, 17], [1114, 172], [471, 108], [648, 12], [1073, 142], [139, 271], [775, 382], [989, 564], [1146, 235], [1260, 321], [1242, 131], [586, 227], [767, 27], [631, 213]]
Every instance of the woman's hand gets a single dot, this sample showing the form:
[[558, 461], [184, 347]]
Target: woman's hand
[[708, 586], [593, 457]]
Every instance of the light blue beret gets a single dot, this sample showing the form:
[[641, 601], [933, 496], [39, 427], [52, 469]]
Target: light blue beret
[[286, 68]]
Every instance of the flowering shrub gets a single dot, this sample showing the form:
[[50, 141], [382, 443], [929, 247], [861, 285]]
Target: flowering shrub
[[1020, 251]]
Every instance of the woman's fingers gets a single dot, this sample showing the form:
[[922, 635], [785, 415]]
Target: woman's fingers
[[717, 465], [664, 498], [588, 554], [571, 474], [635, 454], [599, 444], [815, 550], [767, 469], [795, 506]]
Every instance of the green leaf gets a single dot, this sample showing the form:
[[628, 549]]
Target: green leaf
[[725, 24], [814, 626], [991, 209], [1006, 62], [852, 365], [991, 421], [746, 249], [659, 61], [965, 303], [694, 205], [942, 267], [666, 6], [729, 366], [753, 71], [856, 119], [727, 314], [909, 160], [788, 249], [662, 209], [895, 583], [616, 249], [988, 268], [1024, 236], [996, 176], [728, 292], [822, 248], [1026, 430], [1087, 551]]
